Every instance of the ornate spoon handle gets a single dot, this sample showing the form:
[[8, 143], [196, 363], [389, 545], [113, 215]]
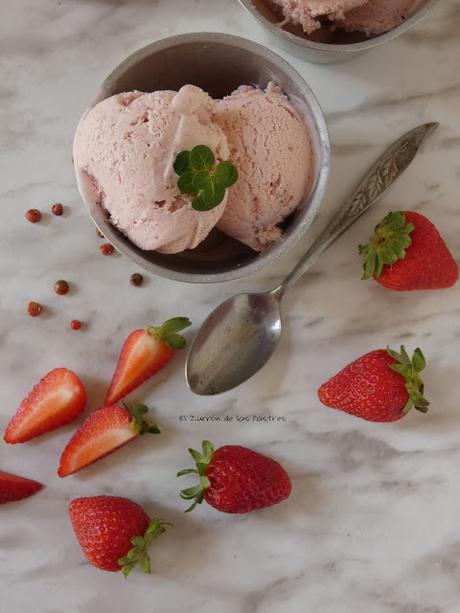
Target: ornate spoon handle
[[383, 173]]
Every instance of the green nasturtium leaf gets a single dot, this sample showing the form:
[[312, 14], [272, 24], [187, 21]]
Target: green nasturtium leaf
[[226, 174], [202, 158], [183, 163], [199, 175], [185, 183], [199, 204], [219, 194], [202, 180], [209, 198]]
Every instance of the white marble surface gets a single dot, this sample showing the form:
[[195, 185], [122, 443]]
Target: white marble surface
[[373, 523]]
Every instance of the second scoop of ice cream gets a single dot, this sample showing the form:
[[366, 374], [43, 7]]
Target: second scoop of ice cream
[[124, 152], [376, 17], [306, 13], [372, 17], [270, 145]]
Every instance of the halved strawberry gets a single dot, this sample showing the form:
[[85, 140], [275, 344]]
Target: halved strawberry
[[56, 400], [103, 432], [13, 487], [143, 354]]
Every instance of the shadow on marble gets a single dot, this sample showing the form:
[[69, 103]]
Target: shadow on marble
[[174, 553], [268, 388], [305, 500], [11, 540], [96, 388], [444, 413]]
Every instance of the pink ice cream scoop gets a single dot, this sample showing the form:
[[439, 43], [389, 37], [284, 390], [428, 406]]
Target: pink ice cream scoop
[[306, 12], [377, 16], [271, 147], [124, 151]]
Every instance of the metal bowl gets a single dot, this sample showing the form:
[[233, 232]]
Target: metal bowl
[[324, 53], [218, 63]]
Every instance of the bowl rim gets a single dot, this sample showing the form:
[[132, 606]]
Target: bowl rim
[[349, 48], [265, 258]]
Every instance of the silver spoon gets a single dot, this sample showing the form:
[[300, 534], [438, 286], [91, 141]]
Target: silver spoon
[[240, 335]]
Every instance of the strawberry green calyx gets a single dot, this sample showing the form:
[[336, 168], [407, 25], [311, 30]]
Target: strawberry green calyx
[[169, 332], [388, 245], [410, 369], [202, 460], [138, 554], [138, 423]]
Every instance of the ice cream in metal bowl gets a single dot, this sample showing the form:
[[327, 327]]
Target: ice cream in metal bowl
[[327, 31], [217, 91]]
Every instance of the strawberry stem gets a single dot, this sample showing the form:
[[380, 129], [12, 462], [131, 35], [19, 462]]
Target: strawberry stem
[[410, 370], [169, 332], [388, 245], [138, 423], [138, 554], [202, 460]]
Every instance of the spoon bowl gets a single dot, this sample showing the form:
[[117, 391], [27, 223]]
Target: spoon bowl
[[236, 340]]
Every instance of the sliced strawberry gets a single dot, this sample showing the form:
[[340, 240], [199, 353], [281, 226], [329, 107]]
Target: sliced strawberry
[[103, 432], [56, 400], [143, 354], [13, 487]]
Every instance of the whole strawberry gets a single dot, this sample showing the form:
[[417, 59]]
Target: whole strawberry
[[408, 253], [380, 386], [114, 533], [234, 479]]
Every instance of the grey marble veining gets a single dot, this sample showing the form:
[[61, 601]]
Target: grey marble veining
[[372, 524]]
